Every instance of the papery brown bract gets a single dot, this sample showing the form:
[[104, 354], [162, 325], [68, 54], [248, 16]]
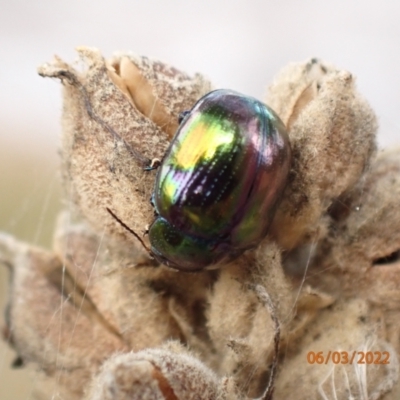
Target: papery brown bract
[[104, 158], [169, 373], [332, 132]]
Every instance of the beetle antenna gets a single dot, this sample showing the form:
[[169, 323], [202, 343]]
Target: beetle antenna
[[265, 299], [128, 229]]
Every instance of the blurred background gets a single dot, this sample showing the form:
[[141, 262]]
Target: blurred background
[[237, 44]]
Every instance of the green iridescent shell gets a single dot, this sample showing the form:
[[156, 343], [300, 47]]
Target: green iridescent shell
[[219, 182]]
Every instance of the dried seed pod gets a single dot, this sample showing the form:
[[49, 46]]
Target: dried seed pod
[[133, 296], [359, 261], [155, 374], [158, 90], [364, 243], [241, 327], [47, 328], [94, 292], [118, 284], [332, 133], [361, 256], [109, 135]]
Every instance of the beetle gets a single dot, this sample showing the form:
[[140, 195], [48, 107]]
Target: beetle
[[219, 182]]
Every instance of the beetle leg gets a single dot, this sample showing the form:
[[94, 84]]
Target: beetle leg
[[154, 164], [182, 116]]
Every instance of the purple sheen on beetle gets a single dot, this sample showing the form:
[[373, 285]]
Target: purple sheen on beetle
[[220, 181]]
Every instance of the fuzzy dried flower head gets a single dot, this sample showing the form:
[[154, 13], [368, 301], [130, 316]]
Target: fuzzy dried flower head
[[169, 373], [332, 131], [96, 315], [118, 117]]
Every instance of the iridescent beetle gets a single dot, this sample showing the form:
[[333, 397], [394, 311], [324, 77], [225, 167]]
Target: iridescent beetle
[[219, 182]]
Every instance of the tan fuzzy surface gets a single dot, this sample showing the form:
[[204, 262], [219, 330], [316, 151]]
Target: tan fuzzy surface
[[55, 333], [103, 161], [155, 374], [240, 326], [325, 118], [344, 329], [98, 318], [365, 238], [160, 91]]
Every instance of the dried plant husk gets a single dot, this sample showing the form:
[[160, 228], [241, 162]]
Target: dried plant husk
[[99, 319], [364, 238], [46, 327], [240, 325], [170, 372], [332, 132], [115, 121]]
